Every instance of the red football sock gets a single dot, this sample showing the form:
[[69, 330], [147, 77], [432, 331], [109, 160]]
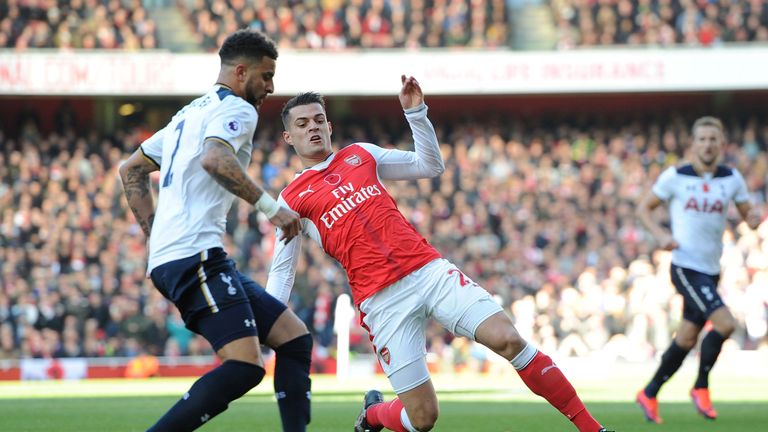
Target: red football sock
[[386, 414], [545, 379]]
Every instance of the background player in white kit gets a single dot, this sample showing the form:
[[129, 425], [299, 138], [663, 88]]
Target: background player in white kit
[[202, 155], [398, 280], [698, 196]]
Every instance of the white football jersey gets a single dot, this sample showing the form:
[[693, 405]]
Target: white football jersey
[[698, 206], [192, 207]]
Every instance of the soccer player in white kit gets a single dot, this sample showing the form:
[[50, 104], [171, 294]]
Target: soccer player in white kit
[[202, 155], [398, 279], [698, 196]]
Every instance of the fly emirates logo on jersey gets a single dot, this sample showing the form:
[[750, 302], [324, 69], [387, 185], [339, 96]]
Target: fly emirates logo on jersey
[[348, 200]]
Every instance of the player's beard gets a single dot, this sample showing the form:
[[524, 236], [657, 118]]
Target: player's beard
[[252, 98]]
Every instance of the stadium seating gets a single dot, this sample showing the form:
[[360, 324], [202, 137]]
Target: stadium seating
[[355, 24], [344, 24], [585, 23], [76, 24]]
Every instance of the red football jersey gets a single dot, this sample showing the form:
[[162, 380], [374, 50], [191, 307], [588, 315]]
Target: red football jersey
[[345, 208], [357, 222]]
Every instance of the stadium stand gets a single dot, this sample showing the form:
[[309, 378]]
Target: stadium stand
[[97, 24], [587, 23], [409, 24], [355, 24], [541, 215], [76, 24]]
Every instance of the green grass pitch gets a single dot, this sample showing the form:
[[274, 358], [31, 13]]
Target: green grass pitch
[[468, 403]]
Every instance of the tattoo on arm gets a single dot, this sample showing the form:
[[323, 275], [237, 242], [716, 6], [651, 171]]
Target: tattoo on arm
[[223, 166], [137, 192]]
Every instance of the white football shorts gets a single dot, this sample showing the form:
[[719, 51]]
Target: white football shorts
[[396, 318]]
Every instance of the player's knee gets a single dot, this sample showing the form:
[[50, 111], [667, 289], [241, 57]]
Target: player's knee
[[239, 378], [299, 348], [726, 329], [255, 375], [424, 415], [509, 343], [424, 419], [685, 342]]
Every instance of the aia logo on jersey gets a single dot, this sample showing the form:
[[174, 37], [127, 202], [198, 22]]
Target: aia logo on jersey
[[332, 179], [353, 160], [384, 354], [705, 206]]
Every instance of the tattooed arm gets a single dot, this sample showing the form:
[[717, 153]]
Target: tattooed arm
[[219, 161], [135, 175]]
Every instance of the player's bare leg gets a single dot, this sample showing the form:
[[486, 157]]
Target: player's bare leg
[[292, 343], [421, 405], [536, 369], [245, 349], [723, 324], [415, 410], [287, 327], [687, 334], [242, 368], [685, 339]]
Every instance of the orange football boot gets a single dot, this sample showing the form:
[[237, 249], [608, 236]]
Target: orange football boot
[[650, 407], [702, 402]]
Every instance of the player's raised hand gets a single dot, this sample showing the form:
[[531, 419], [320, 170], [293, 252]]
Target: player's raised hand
[[410, 94], [289, 223]]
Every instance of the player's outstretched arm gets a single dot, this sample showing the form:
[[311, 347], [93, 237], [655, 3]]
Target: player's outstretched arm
[[135, 175], [426, 161], [282, 272], [219, 161]]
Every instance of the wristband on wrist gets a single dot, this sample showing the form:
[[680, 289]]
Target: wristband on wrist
[[267, 205]]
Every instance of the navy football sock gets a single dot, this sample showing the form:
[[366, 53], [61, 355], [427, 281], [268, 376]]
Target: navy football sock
[[670, 363], [210, 395], [292, 383], [710, 349]]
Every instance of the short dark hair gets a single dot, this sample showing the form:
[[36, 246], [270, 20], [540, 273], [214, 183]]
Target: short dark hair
[[305, 98], [252, 44]]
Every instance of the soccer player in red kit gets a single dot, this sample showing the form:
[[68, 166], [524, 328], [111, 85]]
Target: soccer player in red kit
[[398, 279]]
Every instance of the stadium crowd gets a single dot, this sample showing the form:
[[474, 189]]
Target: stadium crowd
[[340, 24], [76, 24], [659, 23], [337, 24], [541, 216]]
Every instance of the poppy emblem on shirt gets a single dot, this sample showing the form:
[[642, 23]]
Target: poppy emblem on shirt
[[384, 353], [332, 179], [353, 160], [705, 187]]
